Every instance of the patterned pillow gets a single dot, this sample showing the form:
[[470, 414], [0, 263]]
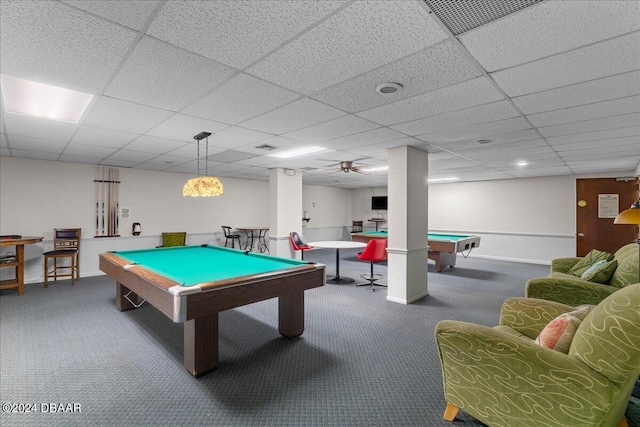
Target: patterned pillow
[[592, 257], [601, 273], [558, 334]]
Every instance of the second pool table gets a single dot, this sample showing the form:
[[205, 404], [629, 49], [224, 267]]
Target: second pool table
[[443, 248], [192, 284]]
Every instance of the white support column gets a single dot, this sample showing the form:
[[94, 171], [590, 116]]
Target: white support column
[[285, 186], [407, 223]]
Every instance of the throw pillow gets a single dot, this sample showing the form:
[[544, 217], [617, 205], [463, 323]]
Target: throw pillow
[[558, 334], [601, 273], [592, 257]]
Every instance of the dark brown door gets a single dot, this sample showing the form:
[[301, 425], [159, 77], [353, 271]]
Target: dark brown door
[[594, 225]]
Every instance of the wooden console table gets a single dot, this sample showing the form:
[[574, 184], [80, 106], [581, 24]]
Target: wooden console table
[[18, 262]]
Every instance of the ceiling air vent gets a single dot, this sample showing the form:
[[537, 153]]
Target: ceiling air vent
[[462, 16], [266, 147]]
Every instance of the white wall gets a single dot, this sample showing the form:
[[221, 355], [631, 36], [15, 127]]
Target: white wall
[[527, 219], [37, 196], [330, 211], [362, 206]]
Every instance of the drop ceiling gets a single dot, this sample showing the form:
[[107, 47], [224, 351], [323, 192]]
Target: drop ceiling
[[552, 83]]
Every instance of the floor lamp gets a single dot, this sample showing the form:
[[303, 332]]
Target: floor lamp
[[631, 216]]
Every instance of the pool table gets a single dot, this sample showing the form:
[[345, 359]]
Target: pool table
[[192, 284], [442, 247]]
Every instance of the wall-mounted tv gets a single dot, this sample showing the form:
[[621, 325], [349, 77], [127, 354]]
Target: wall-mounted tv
[[379, 203]]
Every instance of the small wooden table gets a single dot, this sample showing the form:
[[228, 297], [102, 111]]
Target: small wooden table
[[18, 263]]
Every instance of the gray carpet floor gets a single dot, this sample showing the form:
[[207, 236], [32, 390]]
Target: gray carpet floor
[[362, 361]]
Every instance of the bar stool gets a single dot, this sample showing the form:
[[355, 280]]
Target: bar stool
[[66, 244]]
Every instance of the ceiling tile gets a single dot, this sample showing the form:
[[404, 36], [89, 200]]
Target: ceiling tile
[[181, 127], [549, 28], [604, 152], [359, 38], [522, 135], [80, 159], [591, 125], [110, 113], [371, 149], [236, 33], [342, 126], [441, 65], [596, 135], [280, 144], [597, 110], [612, 144], [461, 118], [462, 95], [603, 59], [87, 151], [239, 99], [617, 86], [235, 136], [152, 144], [164, 76], [364, 138], [70, 48], [40, 155], [299, 114], [34, 127], [130, 157], [88, 135], [132, 14], [476, 132], [35, 144]]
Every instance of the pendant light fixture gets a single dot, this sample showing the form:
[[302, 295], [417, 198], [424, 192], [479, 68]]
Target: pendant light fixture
[[203, 186]]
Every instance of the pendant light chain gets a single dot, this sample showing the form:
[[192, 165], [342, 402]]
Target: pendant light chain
[[198, 158]]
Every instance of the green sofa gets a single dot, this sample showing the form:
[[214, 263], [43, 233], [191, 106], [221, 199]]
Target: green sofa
[[502, 377], [562, 286]]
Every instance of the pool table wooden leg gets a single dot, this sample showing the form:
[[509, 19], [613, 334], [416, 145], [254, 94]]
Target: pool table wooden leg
[[291, 314], [201, 344]]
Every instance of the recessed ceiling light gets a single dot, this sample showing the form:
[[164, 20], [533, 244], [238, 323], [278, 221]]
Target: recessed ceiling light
[[484, 141], [376, 169], [299, 152], [34, 99], [522, 163], [443, 179], [388, 87]]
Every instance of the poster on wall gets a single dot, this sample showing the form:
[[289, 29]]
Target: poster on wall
[[608, 205]]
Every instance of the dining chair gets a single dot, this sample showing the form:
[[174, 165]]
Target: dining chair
[[174, 238], [228, 234], [297, 244]]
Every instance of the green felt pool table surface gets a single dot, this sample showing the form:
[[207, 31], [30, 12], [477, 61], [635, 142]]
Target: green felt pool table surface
[[190, 265]]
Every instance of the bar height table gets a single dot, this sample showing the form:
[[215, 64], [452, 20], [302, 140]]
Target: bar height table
[[18, 262], [337, 245]]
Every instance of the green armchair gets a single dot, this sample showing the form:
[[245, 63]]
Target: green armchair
[[502, 377], [561, 286]]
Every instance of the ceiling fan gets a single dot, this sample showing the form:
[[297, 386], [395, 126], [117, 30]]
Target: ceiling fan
[[347, 166]]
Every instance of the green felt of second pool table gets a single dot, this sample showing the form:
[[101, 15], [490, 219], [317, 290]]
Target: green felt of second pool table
[[442, 247], [219, 279]]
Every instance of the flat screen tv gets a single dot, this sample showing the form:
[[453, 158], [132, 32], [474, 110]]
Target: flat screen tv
[[379, 203]]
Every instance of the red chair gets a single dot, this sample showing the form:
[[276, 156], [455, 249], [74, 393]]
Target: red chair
[[375, 251], [297, 244]]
